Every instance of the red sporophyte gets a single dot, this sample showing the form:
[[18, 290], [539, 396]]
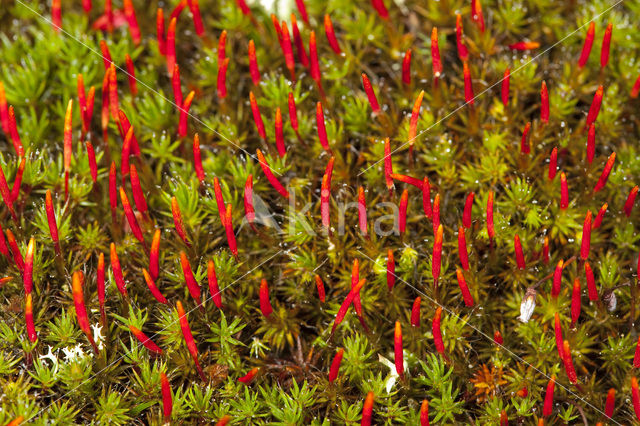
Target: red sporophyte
[[162, 43], [335, 365], [331, 34], [270, 176], [189, 279], [576, 301], [367, 410], [468, 84], [524, 45], [314, 64], [3, 244], [51, 219], [56, 15], [13, 131], [402, 213], [415, 312], [406, 68], [4, 110], [124, 127], [126, 153], [228, 229], [544, 103], [282, 150], [15, 250], [504, 93], [462, 249], [437, 254], [557, 327], [322, 130], [606, 45], [476, 14], [437, 332], [635, 396], [548, 397], [248, 378], [592, 291], [167, 400], [464, 289], [276, 26], [220, 204], [426, 197], [602, 181], [100, 284], [108, 11], [634, 90], [130, 15], [564, 192], [170, 46], [136, 189], [524, 142], [154, 255], [249, 210], [77, 282], [68, 144], [413, 123], [131, 217], [197, 159], [104, 113], [436, 63], [184, 112], [113, 92], [297, 40], [586, 237], [257, 117], [568, 362], [145, 340], [598, 220], [463, 53], [490, 228], [265, 303], [188, 338], [212, 279], [610, 403], [357, 304], [466, 214], [545, 250], [380, 8], [553, 164], [320, 288], [153, 288], [175, 85], [28, 318], [177, 221], [27, 274], [557, 279], [344, 307], [371, 95], [588, 43], [591, 142], [82, 102], [408, 179], [91, 157], [293, 113], [194, 7], [117, 270], [253, 64], [287, 50], [594, 109], [388, 165], [362, 211], [435, 213], [497, 338], [397, 349], [391, 270], [424, 413], [631, 198], [636, 356], [244, 8]]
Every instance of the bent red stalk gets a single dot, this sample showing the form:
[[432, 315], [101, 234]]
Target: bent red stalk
[[282, 150], [297, 39], [588, 43], [248, 378], [413, 123], [28, 319], [609, 405], [13, 130], [466, 214], [257, 117], [397, 348], [51, 219], [131, 217], [426, 197], [575, 302], [371, 95], [335, 365], [594, 109], [586, 237], [342, 311], [468, 84], [253, 64], [145, 340], [184, 113], [631, 198], [606, 46], [270, 176], [189, 279], [435, 258], [153, 288], [320, 288], [322, 130], [177, 221], [265, 302], [602, 181], [406, 68], [437, 332], [367, 410], [415, 312], [591, 143], [27, 274], [331, 34], [548, 397], [212, 280], [462, 249], [188, 337], [504, 92], [557, 279], [463, 53], [170, 46], [77, 282], [524, 142], [592, 291], [598, 220], [362, 211], [490, 228], [553, 164], [228, 229], [564, 192], [167, 401], [436, 62], [464, 289], [544, 103], [117, 270], [391, 270], [408, 179], [402, 214]]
